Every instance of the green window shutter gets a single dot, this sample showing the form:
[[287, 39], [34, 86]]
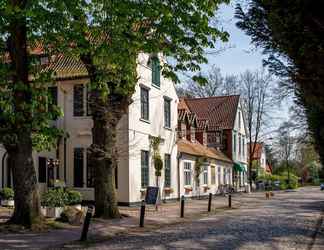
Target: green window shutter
[[156, 71]]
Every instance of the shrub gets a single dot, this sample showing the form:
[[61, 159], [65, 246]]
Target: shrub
[[73, 197], [56, 197], [158, 165], [7, 193]]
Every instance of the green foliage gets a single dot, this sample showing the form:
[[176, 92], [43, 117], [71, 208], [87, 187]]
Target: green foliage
[[73, 197], [55, 197], [283, 178], [291, 33], [158, 165], [199, 167], [58, 197], [7, 193]]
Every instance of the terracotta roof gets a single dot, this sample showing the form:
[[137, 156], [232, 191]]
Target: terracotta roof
[[257, 150], [197, 149], [66, 67], [220, 111]]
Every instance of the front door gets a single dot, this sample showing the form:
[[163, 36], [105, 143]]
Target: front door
[[78, 167]]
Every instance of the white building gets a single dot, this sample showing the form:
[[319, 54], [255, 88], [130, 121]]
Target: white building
[[153, 113]]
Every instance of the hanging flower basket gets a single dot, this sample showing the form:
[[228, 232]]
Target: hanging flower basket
[[168, 190], [188, 189]]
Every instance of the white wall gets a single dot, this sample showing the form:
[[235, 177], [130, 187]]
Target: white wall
[[139, 130], [220, 169]]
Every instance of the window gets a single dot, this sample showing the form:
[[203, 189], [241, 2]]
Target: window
[[167, 113], [144, 168], [219, 175], [78, 167], [90, 172], [167, 170], [155, 65], [187, 173], [224, 176], [240, 146], [234, 142], [145, 104], [239, 120], [78, 108], [243, 145], [42, 169], [205, 175], [213, 175]]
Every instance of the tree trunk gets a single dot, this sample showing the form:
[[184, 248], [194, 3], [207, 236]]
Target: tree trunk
[[105, 159], [27, 204], [27, 201]]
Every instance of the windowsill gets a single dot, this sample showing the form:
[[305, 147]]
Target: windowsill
[[167, 128], [146, 121], [142, 190], [82, 117], [156, 86]]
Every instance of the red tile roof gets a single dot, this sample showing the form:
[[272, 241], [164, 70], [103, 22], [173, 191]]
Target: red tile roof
[[197, 149], [220, 111]]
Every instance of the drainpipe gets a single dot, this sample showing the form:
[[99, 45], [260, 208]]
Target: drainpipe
[[2, 170], [178, 162]]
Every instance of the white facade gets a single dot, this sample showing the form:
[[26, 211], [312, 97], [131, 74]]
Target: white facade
[[133, 136], [214, 174], [239, 142]]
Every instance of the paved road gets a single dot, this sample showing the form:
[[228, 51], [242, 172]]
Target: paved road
[[288, 221]]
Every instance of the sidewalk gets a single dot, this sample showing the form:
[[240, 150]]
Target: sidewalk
[[168, 213]]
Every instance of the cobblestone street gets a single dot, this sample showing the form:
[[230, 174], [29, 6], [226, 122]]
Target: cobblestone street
[[290, 220]]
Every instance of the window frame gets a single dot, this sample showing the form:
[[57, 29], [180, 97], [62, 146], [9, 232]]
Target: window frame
[[145, 168], [212, 175], [167, 170], [187, 173], [156, 71], [145, 103], [167, 115], [205, 175]]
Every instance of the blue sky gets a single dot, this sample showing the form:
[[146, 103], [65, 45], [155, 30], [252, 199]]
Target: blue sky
[[239, 55]]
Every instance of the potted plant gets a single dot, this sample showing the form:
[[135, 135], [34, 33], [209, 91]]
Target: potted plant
[[73, 198], [206, 188], [53, 202], [7, 197]]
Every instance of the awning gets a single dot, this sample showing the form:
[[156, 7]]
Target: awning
[[238, 167]]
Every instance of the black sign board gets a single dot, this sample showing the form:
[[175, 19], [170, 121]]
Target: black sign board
[[152, 194]]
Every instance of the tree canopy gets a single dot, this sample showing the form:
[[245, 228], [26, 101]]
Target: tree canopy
[[291, 34]]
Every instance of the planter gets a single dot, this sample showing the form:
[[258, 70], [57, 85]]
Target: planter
[[168, 191], [52, 212], [206, 188], [77, 206], [8, 203]]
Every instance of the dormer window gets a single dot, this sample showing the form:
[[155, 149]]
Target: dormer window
[[156, 71]]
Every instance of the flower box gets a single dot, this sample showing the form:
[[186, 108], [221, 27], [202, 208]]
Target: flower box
[[8, 203], [52, 212]]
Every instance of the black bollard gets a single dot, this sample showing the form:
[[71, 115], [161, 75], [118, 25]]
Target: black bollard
[[230, 201], [142, 215], [182, 206], [209, 202], [86, 223]]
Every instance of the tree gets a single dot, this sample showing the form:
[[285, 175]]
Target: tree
[[286, 145], [291, 33], [108, 37], [215, 85], [25, 120], [255, 89]]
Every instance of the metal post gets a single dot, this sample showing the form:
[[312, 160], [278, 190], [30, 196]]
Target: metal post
[[229, 200], [86, 223], [182, 206], [209, 202], [142, 214]]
